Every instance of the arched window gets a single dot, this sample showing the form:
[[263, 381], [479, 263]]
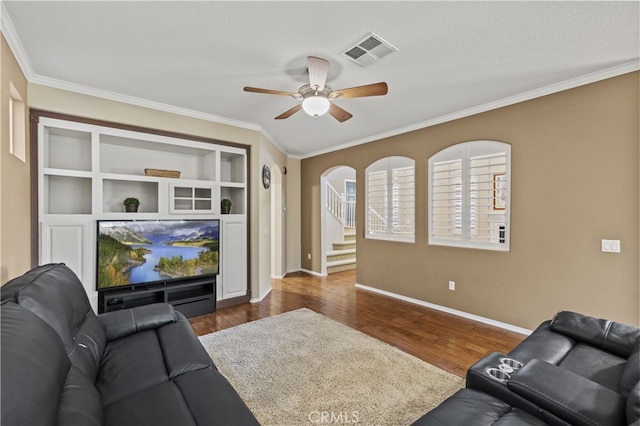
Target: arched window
[[390, 199], [470, 195]]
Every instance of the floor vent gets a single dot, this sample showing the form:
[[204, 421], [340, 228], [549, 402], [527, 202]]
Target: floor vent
[[369, 50]]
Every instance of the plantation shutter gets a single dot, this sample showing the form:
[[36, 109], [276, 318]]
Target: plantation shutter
[[377, 203], [390, 192], [447, 200], [469, 195], [402, 202]]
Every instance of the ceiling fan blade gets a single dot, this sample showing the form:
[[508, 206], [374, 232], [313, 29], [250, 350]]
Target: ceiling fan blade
[[338, 113], [375, 89], [289, 112], [269, 91], [318, 70]]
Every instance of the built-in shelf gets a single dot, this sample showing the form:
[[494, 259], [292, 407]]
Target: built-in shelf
[[66, 195], [86, 171], [67, 149]]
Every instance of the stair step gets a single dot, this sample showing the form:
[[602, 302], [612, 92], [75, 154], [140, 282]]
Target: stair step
[[336, 255], [341, 252], [340, 262], [350, 236], [341, 265], [344, 245]]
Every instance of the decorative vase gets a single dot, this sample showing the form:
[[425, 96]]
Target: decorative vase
[[131, 208], [225, 209]]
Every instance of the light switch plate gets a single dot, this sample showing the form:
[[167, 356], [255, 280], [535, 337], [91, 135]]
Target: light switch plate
[[611, 246]]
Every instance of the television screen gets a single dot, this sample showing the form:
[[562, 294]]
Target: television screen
[[148, 251]]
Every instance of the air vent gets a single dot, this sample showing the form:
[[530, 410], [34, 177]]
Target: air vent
[[369, 50]]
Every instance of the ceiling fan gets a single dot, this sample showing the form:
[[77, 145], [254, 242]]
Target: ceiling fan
[[316, 96]]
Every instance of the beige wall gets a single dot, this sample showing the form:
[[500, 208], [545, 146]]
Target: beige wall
[[292, 215], [261, 232], [575, 181], [15, 204]]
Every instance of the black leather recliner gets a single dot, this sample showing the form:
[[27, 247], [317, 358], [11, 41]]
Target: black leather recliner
[[573, 369], [62, 364]]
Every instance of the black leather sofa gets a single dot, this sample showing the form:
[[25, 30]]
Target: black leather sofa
[[572, 370], [62, 364]]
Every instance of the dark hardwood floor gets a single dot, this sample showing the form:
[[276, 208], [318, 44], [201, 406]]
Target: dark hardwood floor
[[447, 341]]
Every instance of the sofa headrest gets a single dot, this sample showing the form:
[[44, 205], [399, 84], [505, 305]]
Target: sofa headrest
[[55, 294], [34, 368], [611, 336]]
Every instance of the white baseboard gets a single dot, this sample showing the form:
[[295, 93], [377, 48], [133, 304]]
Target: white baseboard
[[317, 274], [452, 311], [260, 298]]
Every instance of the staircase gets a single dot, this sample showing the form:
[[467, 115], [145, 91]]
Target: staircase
[[343, 255]]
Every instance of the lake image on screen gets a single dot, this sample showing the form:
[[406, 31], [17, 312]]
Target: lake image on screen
[[147, 251]]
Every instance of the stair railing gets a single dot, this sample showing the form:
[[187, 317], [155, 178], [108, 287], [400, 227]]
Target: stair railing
[[335, 203], [344, 210]]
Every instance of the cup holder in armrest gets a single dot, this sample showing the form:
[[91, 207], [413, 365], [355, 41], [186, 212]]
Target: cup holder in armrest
[[515, 365], [498, 374]]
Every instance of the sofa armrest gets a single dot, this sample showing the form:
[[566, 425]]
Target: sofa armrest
[[573, 398], [122, 323], [608, 335]]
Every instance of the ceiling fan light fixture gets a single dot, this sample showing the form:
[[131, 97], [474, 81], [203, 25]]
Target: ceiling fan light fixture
[[316, 105]]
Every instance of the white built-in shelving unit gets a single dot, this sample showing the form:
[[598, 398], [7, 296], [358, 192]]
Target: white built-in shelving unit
[[85, 171]]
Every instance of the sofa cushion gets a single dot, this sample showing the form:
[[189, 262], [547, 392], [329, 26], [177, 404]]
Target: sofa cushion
[[472, 407], [595, 364], [55, 294], [131, 365], [571, 397], [158, 405], [212, 400], [34, 367], [608, 335]]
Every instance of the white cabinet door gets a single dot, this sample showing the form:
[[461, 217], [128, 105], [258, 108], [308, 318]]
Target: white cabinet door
[[70, 241], [233, 272]]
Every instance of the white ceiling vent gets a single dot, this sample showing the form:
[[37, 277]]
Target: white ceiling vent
[[369, 50]]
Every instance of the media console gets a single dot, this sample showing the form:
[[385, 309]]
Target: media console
[[193, 297]]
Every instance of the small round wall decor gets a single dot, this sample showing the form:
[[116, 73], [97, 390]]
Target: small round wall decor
[[266, 177]]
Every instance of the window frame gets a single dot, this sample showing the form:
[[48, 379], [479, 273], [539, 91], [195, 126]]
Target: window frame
[[465, 153]]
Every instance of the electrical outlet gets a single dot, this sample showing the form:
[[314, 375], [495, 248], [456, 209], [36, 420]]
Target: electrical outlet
[[309, 256], [452, 285]]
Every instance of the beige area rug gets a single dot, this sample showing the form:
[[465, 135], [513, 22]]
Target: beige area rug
[[303, 368]]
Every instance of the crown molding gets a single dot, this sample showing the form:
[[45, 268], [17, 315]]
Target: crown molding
[[145, 103], [510, 100], [9, 32]]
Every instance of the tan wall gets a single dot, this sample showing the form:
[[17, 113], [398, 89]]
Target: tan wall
[[575, 181], [15, 204]]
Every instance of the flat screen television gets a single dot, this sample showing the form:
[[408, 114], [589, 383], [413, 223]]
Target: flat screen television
[[136, 252]]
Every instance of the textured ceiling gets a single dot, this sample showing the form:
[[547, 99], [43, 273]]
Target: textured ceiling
[[454, 58]]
